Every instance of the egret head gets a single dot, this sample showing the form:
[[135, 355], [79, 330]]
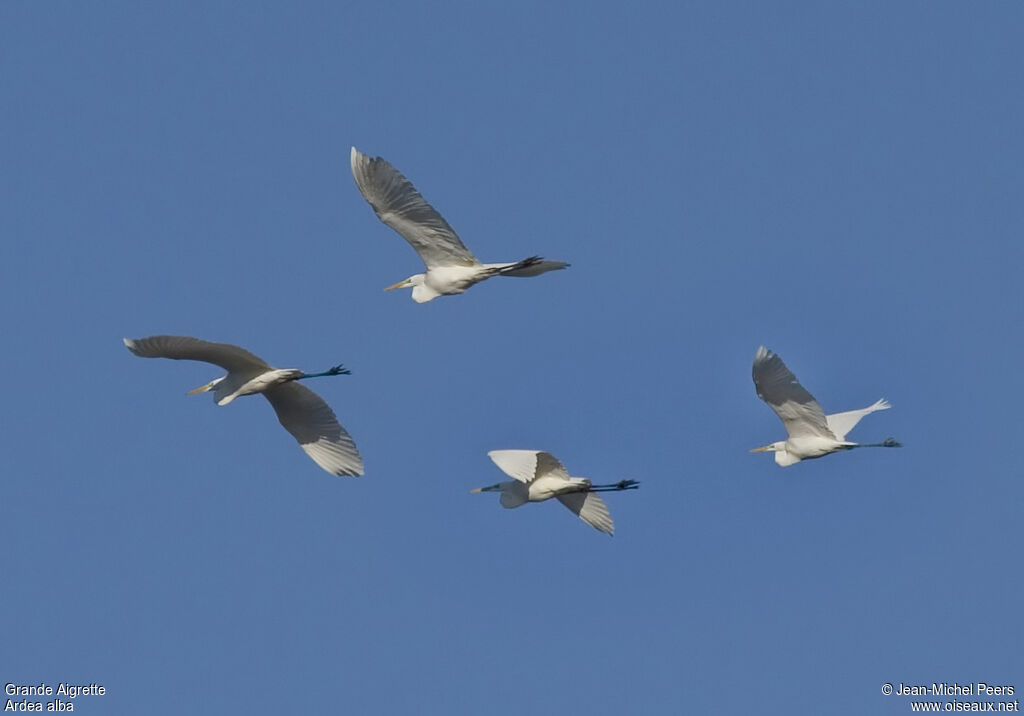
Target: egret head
[[203, 388], [782, 456], [489, 488], [774, 447], [413, 281]]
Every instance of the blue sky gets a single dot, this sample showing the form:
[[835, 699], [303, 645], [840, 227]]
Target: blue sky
[[838, 182]]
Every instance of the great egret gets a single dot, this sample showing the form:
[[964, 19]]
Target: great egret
[[302, 412], [811, 432], [451, 268], [540, 476]]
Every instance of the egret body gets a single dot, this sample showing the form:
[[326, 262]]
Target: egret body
[[302, 412], [811, 432], [451, 268], [540, 476]]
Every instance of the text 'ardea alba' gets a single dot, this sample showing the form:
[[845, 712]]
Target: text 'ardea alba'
[[451, 268], [302, 412], [811, 432], [540, 476]]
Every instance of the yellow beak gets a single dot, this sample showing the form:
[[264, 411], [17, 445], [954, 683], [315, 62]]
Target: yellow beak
[[201, 389], [400, 284], [479, 489], [766, 448]]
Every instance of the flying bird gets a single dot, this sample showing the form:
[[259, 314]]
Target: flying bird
[[540, 476], [302, 412], [811, 432], [451, 268]]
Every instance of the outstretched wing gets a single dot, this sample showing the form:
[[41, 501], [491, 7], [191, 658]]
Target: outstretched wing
[[527, 465], [400, 206], [590, 508], [842, 423], [311, 421], [777, 386], [231, 358]]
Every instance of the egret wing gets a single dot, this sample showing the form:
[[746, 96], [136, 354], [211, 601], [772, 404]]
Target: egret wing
[[777, 386], [229, 357], [590, 508], [527, 465], [311, 421], [398, 204], [842, 423], [514, 494]]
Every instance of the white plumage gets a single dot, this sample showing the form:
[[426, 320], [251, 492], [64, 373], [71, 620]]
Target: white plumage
[[451, 268], [302, 412], [811, 432], [540, 476]]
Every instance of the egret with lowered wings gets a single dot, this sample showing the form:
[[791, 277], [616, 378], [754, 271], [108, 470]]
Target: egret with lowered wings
[[451, 268], [540, 476], [302, 412], [811, 432]]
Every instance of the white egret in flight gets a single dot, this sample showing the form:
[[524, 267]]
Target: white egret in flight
[[540, 476], [811, 432], [451, 268], [302, 412]]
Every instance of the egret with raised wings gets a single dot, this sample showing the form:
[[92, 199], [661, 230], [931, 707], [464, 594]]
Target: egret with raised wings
[[811, 432], [302, 412], [540, 476], [451, 268]]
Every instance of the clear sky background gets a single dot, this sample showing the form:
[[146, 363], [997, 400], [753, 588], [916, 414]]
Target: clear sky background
[[839, 182]]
